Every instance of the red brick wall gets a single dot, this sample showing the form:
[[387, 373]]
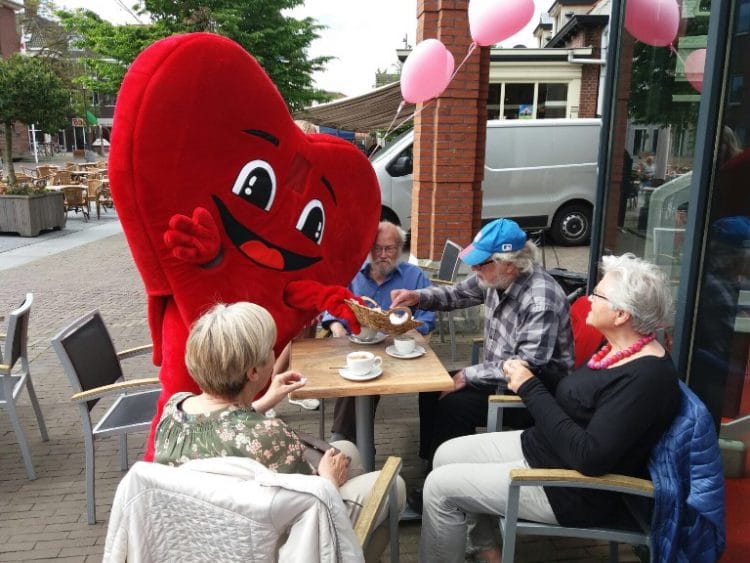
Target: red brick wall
[[589, 37], [9, 40], [450, 138]]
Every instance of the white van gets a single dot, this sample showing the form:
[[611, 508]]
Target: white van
[[540, 172]]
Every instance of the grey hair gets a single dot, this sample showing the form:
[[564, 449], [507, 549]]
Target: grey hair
[[524, 259], [225, 343], [400, 233], [642, 290]]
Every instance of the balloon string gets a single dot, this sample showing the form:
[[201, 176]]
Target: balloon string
[[676, 54], [398, 111], [472, 47]]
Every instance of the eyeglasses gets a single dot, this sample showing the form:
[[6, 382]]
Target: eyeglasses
[[377, 249], [483, 264], [600, 296]]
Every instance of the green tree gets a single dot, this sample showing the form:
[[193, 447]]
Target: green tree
[[279, 42], [30, 92]]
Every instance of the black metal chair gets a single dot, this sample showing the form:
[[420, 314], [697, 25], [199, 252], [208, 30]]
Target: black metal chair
[[94, 371], [446, 274], [11, 384]]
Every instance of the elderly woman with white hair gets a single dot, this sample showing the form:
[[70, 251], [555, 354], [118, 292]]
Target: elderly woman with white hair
[[605, 417]]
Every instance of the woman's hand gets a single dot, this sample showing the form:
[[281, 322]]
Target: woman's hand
[[334, 466], [281, 385], [517, 372]]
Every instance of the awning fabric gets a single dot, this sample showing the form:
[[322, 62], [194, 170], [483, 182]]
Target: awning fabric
[[368, 112]]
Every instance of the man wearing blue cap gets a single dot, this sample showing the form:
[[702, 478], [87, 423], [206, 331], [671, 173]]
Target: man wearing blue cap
[[526, 316]]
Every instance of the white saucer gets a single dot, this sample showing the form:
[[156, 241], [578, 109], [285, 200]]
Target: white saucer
[[391, 351], [379, 337], [372, 374]]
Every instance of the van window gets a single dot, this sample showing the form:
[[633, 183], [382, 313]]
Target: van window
[[402, 164]]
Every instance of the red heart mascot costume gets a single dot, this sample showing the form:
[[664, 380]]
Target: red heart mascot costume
[[223, 198]]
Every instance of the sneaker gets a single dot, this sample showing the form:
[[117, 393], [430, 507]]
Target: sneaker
[[270, 413], [307, 404]]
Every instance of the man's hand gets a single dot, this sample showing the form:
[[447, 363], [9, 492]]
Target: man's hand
[[517, 372], [337, 329], [281, 385], [459, 382], [334, 467], [404, 298]]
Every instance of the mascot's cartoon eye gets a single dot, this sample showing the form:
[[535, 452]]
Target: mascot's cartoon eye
[[312, 221], [256, 184]]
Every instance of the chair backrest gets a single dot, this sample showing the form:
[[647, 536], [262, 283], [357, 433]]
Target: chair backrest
[[62, 177], [449, 261], [74, 195], [88, 354], [241, 515], [18, 332]]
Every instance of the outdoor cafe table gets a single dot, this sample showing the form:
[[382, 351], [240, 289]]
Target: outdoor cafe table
[[318, 359]]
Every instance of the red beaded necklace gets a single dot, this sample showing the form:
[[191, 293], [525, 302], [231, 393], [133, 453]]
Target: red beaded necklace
[[597, 361]]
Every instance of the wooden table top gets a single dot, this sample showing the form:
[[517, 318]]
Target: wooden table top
[[315, 358]]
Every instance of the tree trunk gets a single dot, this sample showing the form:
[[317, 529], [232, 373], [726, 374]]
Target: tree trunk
[[10, 173]]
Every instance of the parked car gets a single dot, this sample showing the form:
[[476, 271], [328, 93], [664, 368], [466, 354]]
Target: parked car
[[541, 173]]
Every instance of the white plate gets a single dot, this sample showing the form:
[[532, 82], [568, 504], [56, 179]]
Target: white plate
[[391, 351], [377, 340], [372, 374]]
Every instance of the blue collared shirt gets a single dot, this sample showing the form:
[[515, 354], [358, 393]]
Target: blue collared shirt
[[405, 276]]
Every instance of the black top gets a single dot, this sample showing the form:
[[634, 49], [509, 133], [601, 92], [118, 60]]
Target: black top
[[599, 421]]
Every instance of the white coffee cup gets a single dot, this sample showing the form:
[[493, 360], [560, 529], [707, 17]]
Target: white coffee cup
[[360, 362], [404, 344], [367, 333]]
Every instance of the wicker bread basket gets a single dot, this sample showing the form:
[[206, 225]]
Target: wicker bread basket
[[380, 320]]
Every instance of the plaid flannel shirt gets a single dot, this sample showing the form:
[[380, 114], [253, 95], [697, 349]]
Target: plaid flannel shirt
[[529, 320]]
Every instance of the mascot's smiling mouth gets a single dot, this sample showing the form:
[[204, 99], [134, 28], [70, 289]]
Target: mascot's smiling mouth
[[258, 250]]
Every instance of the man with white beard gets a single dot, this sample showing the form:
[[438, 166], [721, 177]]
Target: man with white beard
[[526, 317], [383, 273]]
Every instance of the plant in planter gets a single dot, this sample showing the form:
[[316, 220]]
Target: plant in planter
[[30, 92]]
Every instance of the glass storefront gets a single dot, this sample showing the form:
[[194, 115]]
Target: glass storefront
[[653, 143]]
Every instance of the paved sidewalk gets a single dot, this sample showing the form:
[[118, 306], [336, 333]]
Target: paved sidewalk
[[45, 519]]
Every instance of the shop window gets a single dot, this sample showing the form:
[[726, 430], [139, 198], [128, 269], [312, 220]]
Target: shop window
[[552, 100], [519, 101], [493, 101]]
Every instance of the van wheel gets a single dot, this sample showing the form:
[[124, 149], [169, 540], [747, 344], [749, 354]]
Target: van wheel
[[572, 225], [387, 214]]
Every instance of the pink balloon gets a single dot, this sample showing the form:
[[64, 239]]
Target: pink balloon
[[654, 22], [426, 72], [492, 21], [694, 65]]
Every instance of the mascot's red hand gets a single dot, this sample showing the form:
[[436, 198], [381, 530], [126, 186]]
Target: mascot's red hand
[[311, 295], [195, 240]]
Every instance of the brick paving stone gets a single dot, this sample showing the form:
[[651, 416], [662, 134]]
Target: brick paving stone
[[101, 275]]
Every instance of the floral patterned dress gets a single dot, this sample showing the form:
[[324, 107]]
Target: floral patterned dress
[[232, 431]]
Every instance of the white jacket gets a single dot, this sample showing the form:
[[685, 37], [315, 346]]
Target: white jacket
[[227, 509]]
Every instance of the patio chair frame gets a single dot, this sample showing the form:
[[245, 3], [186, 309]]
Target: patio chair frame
[[11, 384], [133, 408]]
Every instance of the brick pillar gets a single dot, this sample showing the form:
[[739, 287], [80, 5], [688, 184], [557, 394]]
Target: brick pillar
[[450, 138], [9, 40]]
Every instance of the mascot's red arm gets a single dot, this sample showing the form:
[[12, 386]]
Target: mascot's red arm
[[239, 204]]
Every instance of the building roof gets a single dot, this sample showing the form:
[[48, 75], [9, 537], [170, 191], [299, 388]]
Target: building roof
[[11, 5], [374, 110], [575, 24]]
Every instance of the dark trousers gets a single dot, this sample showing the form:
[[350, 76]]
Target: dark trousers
[[344, 419], [458, 414]]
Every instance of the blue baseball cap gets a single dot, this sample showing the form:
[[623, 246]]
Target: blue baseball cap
[[734, 231], [501, 235]]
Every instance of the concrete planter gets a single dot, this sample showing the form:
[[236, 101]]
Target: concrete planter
[[28, 215]]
